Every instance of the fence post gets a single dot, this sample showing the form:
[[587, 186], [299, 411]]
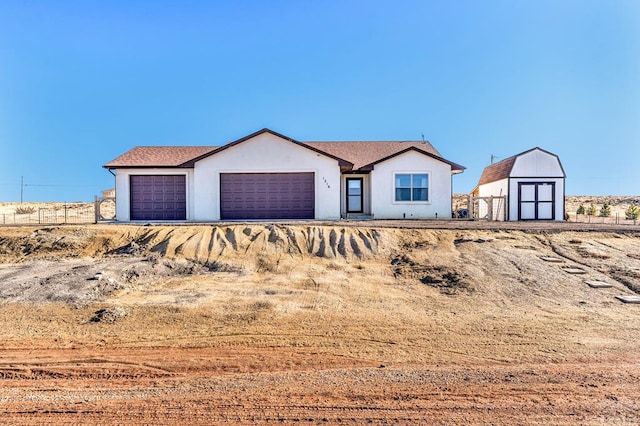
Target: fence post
[[491, 208], [96, 209]]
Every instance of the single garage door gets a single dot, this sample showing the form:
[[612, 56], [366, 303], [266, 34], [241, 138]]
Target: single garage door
[[158, 197], [267, 196]]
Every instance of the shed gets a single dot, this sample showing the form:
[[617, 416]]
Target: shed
[[533, 182]]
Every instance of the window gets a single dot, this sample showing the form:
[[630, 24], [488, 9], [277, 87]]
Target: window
[[412, 187]]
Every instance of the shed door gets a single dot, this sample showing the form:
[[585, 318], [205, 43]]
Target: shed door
[[158, 197], [267, 196], [536, 200]]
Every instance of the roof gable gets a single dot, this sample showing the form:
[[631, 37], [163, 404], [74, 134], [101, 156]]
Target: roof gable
[[365, 154], [341, 161], [502, 169]]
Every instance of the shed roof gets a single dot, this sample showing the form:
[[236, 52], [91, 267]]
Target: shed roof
[[497, 171], [502, 169]]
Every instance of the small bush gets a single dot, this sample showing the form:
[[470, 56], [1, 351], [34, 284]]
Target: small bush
[[632, 212], [581, 209], [266, 264], [25, 210], [592, 210], [605, 211]]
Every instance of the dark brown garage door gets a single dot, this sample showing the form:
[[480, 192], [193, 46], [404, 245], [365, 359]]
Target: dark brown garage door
[[158, 197], [267, 196]]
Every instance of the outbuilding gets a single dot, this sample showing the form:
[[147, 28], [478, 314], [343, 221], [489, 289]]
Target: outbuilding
[[533, 183]]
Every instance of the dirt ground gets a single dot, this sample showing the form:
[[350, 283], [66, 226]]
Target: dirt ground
[[316, 324]]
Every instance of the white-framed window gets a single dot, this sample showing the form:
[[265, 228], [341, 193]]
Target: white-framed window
[[411, 187]]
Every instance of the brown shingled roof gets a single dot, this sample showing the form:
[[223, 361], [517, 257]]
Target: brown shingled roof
[[365, 154], [352, 155], [341, 161], [158, 156], [502, 169], [497, 171]]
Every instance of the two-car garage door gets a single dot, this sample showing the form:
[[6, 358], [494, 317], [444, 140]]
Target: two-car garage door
[[267, 196]]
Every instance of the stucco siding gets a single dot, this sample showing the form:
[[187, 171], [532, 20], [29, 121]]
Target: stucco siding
[[266, 153], [383, 204], [123, 190]]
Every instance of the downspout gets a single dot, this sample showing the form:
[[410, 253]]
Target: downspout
[[451, 207], [115, 181]]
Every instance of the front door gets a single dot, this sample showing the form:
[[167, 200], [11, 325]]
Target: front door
[[354, 195], [536, 201]]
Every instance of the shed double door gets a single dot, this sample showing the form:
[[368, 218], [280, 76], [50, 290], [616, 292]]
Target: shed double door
[[536, 201]]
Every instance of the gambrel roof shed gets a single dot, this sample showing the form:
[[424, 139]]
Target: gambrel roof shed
[[533, 182], [504, 168]]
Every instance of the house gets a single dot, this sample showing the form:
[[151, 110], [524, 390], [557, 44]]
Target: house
[[266, 175], [533, 182]]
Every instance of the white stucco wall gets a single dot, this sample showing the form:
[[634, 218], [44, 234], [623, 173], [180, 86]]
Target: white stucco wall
[[123, 194], [266, 153], [383, 204]]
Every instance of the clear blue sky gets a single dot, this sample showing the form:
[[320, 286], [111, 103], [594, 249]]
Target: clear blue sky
[[82, 82]]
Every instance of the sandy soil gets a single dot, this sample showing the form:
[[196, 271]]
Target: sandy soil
[[255, 323]]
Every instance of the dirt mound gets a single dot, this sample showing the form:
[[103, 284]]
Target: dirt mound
[[207, 245]]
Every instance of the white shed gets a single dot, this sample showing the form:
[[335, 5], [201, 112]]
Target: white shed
[[533, 182]]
